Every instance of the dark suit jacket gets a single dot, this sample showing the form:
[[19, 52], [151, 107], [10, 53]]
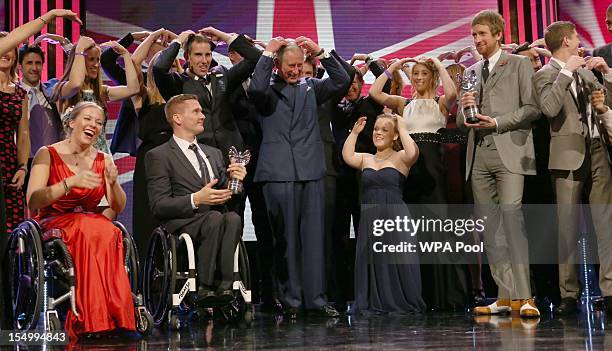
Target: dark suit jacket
[[245, 115], [171, 179], [345, 118], [221, 129], [326, 112], [126, 129], [291, 149], [604, 51]]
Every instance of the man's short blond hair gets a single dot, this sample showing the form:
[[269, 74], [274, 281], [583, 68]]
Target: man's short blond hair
[[174, 105]]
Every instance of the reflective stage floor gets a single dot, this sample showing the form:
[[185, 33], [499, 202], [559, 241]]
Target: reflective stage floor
[[432, 331]]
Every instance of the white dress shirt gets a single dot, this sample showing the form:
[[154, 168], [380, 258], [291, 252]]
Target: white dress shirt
[[184, 146]]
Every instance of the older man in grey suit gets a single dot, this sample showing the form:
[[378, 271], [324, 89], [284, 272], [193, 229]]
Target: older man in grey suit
[[500, 154], [579, 163]]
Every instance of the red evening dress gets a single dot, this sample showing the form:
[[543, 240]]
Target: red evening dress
[[103, 294]]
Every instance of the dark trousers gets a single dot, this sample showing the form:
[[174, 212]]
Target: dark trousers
[[295, 210], [263, 263], [143, 221], [215, 237], [330, 248], [343, 247]]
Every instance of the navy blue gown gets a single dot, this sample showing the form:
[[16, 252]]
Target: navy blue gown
[[381, 287]]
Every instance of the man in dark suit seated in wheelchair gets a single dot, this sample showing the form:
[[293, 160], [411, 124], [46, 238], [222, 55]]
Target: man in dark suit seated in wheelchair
[[187, 185]]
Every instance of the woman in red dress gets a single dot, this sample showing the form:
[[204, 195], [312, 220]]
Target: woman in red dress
[[68, 180]]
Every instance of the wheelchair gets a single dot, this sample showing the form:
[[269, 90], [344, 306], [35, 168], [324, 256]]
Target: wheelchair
[[41, 268], [170, 274]]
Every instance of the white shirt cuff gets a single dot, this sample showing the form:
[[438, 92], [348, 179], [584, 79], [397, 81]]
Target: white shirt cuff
[[267, 53], [193, 205], [496, 125]]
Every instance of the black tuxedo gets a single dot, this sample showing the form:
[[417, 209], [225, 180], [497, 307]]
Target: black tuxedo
[[221, 128], [171, 179]]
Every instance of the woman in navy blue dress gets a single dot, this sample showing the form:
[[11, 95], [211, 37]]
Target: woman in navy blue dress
[[384, 283]]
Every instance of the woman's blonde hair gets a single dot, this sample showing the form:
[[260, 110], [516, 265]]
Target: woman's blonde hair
[[73, 112], [435, 75], [13, 71], [152, 92], [397, 144]]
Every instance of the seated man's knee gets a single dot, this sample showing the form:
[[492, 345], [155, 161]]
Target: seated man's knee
[[214, 218], [232, 219]]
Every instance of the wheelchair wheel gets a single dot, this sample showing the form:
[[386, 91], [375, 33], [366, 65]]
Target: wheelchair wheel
[[54, 323], [131, 257], [144, 322], [159, 275], [26, 275]]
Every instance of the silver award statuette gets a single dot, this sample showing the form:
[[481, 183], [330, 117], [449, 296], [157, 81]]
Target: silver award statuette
[[468, 84], [243, 158]]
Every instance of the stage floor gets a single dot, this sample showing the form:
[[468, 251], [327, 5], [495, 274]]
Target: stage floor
[[431, 331]]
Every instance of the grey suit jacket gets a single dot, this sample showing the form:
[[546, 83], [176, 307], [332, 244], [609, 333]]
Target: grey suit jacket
[[567, 132], [508, 97], [171, 179]]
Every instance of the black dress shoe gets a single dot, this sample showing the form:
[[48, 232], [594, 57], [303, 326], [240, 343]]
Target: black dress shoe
[[272, 306], [327, 311], [205, 297], [479, 298], [566, 307], [226, 297], [292, 312]]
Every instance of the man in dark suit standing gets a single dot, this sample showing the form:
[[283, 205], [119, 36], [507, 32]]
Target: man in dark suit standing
[[292, 166], [212, 85], [187, 186], [246, 118]]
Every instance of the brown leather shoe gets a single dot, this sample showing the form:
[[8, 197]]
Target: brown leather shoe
[[497, 307], [516, 305]]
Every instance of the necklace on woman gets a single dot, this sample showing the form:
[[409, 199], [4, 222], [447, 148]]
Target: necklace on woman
[[378, 159]]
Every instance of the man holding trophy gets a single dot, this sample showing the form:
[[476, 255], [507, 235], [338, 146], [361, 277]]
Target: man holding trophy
[[189, 192], [498, 106]]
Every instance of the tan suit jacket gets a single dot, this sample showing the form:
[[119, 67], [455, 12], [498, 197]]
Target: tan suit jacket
[[508, 97], [568, 133]]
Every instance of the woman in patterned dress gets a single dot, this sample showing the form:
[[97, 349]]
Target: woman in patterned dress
[[13, 121]]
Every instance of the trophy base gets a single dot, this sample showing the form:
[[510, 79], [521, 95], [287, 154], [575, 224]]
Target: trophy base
[[235, 186], [470, 113]]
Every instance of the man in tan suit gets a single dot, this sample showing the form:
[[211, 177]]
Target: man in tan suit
[[500, 152], [579, 163]]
